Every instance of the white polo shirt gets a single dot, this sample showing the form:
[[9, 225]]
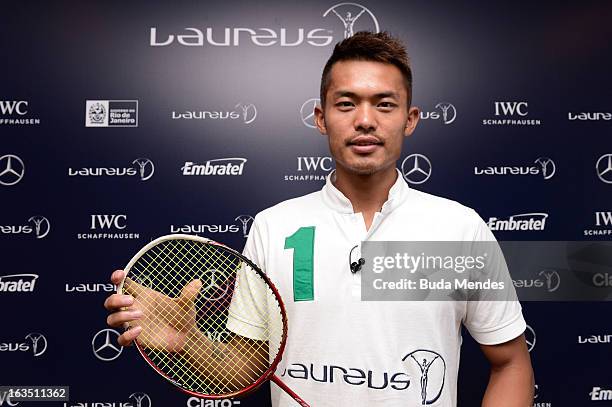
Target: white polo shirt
[[344, 352]]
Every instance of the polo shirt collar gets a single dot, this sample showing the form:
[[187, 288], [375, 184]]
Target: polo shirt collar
[[336, 200]]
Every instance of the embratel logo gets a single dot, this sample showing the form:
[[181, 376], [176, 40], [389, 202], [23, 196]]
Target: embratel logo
[[589, 116], [603, 221], [545, 167], [549, 280], [34, 342], [311, 169], [137, 399], [446, 113], [108, 227], [12, 169], [416, 168], [350, 17], [103, 345], [18, 283], [599, 394], [246, 112], [535, 221], [220, 166], [15, 112], [141, 167], [111, 113], [511, 114], [39, 227]]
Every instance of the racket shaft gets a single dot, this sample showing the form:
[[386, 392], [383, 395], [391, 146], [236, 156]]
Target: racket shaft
[[287, 390]]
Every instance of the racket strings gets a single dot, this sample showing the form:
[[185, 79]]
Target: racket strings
[[232, 292]]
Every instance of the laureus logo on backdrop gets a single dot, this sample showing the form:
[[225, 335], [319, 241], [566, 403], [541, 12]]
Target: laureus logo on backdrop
[[603, 222], [111, 113], [345, 18], [15, 112], [38, 227], [312, 168], [416, 168], [548, 280], [511, 114], [79, 288], [545, 167], [35, 343], [12, 169], [137, 399], [233, 166], [242, 225], [535, 221], [245, 112], [595, 339], [446, 113], [107, 226], [589, 116], [141, 167]]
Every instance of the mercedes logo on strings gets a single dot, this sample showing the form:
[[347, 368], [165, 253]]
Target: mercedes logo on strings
[[416, 168], [11, 169], [103, 347], [603, 168], [307, 112]]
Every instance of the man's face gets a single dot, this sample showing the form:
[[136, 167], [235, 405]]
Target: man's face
[[366, 115]]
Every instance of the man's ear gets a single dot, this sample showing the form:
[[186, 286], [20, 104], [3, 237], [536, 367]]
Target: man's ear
[[414, 114], [320, 119]]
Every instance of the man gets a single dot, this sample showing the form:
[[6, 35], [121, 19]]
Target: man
[[340, 350]]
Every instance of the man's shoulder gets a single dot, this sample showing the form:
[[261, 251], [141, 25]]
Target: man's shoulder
[[437, 205], [292, 207]]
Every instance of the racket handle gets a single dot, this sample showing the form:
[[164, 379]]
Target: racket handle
[[287, 390]]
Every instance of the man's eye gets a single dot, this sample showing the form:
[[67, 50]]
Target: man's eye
[[344, 104], [386, 105]]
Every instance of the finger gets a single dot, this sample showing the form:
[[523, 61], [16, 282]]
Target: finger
[[126, 338], [190, 292], [117, 319], [117, 276], [115, 301], [132, 287]]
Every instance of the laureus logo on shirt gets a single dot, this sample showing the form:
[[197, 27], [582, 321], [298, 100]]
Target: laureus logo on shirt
[[426, 365]]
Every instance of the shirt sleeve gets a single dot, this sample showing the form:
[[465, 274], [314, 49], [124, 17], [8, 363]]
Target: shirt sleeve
[[248, 313], [499, 321]]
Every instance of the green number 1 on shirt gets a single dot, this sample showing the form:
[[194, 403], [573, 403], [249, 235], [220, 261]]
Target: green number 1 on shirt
[[302, 243]]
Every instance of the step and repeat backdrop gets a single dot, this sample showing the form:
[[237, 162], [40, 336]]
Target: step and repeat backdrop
[[124, 121]]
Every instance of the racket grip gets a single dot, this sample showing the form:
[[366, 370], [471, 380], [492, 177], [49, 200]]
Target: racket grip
[[287, 390]]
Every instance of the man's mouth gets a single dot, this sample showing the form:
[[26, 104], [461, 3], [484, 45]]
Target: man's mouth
[[364, 144]]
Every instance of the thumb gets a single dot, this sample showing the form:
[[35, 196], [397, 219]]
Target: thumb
[[190, 292]]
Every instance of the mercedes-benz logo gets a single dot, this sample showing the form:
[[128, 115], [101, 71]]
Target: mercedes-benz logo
[[39, 343], [603, 168], [213, 291], [530, 338], [307, 112], [11, 169], [102, 346], [416, 168]]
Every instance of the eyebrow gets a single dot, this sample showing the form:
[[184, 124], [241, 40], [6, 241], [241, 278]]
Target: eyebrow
[[381, 95]]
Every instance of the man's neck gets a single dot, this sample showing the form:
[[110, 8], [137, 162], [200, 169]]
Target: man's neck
[[367, 193]]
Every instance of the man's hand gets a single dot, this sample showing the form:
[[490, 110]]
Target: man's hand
[[166, 330]]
